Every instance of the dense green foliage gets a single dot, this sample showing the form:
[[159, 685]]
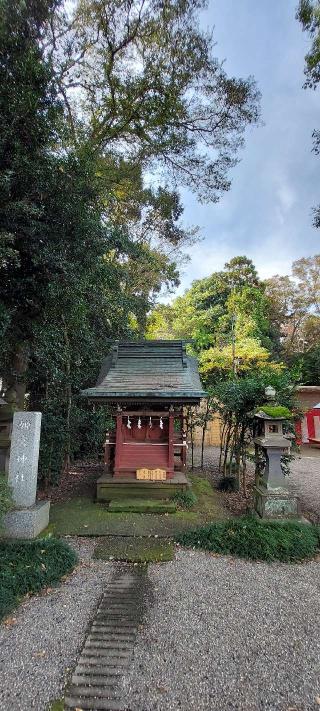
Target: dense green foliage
[[240, 324], [29, 566], [88, 105], [237, 400], [153, 89], [308, 366], [226, 316], [248, 537], [6, 501]]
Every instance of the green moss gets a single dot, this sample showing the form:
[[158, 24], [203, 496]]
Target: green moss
[[57, 705], [6, 500], [142, 506], [134, 550], [249, 537], [29, 566], [276, 411], [208, 500], [82, 517]]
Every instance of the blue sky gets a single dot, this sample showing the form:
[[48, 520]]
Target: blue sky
[[267, 214]]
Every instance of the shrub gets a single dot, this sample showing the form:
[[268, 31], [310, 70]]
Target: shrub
[[185, 499], [249, 537], [6, 501], [227, 483], [29, 566]]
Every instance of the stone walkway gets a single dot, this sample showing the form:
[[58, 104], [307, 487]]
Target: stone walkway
[[107, 652]]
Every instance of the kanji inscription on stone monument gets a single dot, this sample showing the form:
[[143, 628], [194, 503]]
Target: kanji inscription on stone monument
[[24, 455]]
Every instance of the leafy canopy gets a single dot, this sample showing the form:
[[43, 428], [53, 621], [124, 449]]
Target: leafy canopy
[[149, 88]]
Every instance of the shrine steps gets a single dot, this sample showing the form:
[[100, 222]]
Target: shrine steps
[[133, 505], [109, 487]]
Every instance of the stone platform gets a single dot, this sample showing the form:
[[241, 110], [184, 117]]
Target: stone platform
[[276, 503], [27, 522], [109, 487]]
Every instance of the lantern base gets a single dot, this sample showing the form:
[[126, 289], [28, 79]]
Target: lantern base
[[276, 503]]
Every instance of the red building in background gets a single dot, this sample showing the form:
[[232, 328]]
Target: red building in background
[[308, 430]]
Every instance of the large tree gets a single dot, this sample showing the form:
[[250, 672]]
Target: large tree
[[294, 305], [225, 315], [102, 105], [151, 89], [308, 14], [71, 277]]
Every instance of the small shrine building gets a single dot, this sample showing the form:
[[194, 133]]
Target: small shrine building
[[148, 386]]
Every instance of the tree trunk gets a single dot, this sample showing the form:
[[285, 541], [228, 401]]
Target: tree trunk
[[66, 462], [204, 429], [16, 380]]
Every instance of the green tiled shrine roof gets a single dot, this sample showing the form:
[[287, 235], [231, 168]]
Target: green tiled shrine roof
[[148, 370]]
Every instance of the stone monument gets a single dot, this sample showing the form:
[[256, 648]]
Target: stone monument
[[271, 494], [29, 516]]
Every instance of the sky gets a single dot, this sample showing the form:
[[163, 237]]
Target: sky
[[267, 214]]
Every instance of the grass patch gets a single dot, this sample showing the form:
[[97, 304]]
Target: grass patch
[[29, 566], [249, 537], [208, 499], [185, 499], [134, 550], [142, 506]]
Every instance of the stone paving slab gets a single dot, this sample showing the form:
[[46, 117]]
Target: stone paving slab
[[108, 649]]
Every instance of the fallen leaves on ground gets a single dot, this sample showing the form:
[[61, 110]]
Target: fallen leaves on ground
[[10, 621]]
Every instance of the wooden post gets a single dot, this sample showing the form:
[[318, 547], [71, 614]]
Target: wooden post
[[184, 451], [107, 452], [118, 443], [310, 423], [170, 444]]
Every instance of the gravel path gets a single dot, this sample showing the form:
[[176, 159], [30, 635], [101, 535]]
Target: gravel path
[[305, 480], [37, 651], [226, 634]]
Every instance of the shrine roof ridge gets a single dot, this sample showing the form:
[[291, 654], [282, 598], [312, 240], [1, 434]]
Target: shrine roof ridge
[[148, 369]]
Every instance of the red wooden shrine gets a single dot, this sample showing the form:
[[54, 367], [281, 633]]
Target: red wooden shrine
[[147, 385], [146, 439]]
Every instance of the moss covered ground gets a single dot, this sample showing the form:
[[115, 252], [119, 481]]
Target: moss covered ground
[[142, 506], [82, 517], [134, 549]]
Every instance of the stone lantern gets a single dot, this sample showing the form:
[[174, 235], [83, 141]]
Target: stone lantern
[[272, 496]]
